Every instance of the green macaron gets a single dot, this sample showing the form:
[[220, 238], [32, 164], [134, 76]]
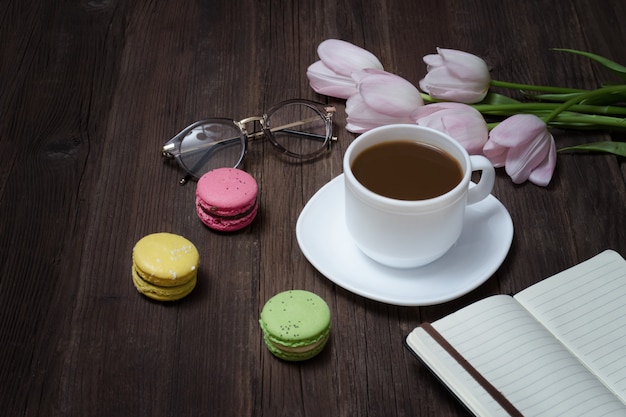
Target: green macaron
[[295, 324]]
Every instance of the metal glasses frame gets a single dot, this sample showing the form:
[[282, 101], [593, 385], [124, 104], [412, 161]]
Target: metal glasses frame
[[172, 148]]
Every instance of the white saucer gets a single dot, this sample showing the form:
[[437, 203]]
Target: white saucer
[[479, 252]]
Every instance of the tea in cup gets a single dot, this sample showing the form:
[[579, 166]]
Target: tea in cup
[[406, 189]]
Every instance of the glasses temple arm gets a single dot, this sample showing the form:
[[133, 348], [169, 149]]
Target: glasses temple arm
[[286, 128]]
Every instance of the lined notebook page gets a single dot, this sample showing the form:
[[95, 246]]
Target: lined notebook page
[[450, 372], [585, 307], [525, 362]]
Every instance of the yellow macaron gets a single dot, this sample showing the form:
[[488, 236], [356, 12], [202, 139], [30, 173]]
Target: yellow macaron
[[165, 266]]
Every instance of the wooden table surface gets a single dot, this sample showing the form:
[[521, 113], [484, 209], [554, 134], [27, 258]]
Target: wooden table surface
[[90, 90]]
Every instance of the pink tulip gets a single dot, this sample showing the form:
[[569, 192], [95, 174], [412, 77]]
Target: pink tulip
[[456, 76], [383, 98], [525, 147], [460, 121], [332, 74]]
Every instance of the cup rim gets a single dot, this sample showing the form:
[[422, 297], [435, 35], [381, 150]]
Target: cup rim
[[445, 199]]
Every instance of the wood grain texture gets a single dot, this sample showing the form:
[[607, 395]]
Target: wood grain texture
[[89, 92]]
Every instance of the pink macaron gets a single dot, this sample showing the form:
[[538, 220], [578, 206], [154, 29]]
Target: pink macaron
[[226, 199]]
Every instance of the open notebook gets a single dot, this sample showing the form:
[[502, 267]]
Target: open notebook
[[557, 348]]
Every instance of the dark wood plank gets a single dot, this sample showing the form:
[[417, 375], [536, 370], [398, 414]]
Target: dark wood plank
[[90, 91]]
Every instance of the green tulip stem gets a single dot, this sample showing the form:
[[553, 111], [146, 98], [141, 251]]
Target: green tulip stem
[[600, 92], [510, 109], [581, 121], [539, 88]]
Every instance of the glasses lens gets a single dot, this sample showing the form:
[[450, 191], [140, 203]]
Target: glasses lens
[[299, 129], [211, 145]]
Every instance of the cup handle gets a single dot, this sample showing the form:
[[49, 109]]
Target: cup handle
[[487, 178]]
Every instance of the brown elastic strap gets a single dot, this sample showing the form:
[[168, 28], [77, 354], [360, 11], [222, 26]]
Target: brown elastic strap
[[493, 391]]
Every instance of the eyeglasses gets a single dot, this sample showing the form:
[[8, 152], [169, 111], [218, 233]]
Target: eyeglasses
[[301, 129]]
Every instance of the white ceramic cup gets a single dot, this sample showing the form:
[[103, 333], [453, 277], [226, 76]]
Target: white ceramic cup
[[408, 234]]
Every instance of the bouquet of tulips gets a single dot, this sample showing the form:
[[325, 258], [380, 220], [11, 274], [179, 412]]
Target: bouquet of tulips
[[455, 98]]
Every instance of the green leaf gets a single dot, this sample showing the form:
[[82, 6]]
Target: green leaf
[[494, 98], [611, 97], [618, 69], [615, 148], [615, 97]]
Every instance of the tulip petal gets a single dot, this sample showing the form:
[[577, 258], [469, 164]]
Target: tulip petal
[[543, 173], [452, 92], [495, 153], [456, 76], [517, 130], [526, 148], [387, 93], [465, 66], [472, 136], [344, 58], [362, 117], [432, 60], [462, 122], [522, 160], [324, 81]]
